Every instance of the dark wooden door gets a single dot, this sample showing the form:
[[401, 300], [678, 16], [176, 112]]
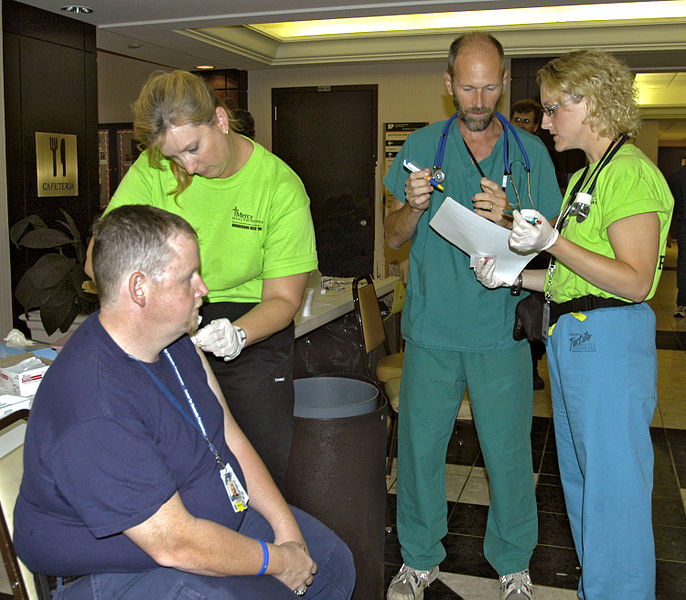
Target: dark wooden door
[[328, 136]]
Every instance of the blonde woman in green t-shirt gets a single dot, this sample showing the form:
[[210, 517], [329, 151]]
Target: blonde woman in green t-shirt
[[607, 251], [256, 239]]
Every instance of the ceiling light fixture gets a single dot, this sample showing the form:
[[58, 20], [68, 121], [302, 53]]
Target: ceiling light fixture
[[77, 9], [204, 67], [537, 15]]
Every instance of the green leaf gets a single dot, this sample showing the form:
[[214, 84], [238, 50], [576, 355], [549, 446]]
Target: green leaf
[[49, 270], [71, 226], [28, 295], [55, 310], [69, 319], [45, 238], [18, 229]]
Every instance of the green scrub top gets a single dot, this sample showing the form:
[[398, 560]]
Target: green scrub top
[[445, 306]]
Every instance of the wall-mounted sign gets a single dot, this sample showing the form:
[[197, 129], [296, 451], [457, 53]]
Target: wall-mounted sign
[[57, 167], [395, 135]]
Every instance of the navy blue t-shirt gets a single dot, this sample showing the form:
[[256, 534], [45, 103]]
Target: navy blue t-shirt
[[105, 448]]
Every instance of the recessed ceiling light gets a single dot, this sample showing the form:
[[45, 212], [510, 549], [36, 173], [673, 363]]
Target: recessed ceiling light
[[201, 67], [134, 46], [77, 9]]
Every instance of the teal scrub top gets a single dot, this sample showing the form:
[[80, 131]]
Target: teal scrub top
[[445, 306]]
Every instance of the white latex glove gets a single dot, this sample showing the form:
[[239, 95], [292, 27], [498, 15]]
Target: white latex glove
[[485, 272], [220, 338], [526, 237]]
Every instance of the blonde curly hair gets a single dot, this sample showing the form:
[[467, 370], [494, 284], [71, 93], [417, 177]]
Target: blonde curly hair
[[604, 81], [171, 99]]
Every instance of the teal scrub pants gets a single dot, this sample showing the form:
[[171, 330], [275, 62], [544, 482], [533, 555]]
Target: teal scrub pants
[[603, 381], [500, 391]]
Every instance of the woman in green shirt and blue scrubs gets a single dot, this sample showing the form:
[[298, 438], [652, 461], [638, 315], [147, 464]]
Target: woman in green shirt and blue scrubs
[[607, 247]]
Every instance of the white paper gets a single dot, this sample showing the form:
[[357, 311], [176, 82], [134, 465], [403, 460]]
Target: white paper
[[477, 236]]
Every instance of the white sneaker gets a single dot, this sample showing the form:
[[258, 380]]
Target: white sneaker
[[409, 583], [680, 312], [516, 586]]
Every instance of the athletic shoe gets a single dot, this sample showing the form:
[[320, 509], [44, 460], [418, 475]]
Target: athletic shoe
[[409, 583], [516, 586], [680, 312]]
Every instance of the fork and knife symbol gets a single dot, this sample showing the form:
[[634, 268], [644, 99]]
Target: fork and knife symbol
[[63, 155]]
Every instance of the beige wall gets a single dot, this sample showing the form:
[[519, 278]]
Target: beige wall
[[120, 79], [647, 139]]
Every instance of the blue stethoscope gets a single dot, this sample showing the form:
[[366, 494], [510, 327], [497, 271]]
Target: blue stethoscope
[[508, 128]]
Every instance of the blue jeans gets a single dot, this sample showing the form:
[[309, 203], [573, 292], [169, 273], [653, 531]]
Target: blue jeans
[[335, 578]]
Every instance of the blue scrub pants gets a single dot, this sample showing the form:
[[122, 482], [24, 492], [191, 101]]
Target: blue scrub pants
[[335, 578], [603, 378], [500, 390]]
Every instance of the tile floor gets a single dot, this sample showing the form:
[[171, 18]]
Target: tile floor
[[466, 575]]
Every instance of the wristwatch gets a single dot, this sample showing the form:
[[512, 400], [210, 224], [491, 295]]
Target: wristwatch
[[516, 288], [242, 336]]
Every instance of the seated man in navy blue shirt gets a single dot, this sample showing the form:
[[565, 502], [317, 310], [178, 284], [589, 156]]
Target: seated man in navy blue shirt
[[136, 476]]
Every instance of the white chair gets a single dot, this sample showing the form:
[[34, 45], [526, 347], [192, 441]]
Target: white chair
[[12, 428]]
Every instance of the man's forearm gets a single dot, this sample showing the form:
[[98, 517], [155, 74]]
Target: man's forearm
[[174, 538], [401, 224]]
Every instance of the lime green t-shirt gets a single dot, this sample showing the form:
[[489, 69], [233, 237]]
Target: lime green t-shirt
[[251, 226], [630, 184]]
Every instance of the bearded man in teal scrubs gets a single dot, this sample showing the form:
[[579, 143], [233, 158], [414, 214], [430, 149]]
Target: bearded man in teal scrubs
[[458, 334]]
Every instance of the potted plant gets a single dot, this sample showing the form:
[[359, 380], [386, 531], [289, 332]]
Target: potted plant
[[54, 283]]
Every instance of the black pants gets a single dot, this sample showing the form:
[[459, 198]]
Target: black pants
[[258, 387]]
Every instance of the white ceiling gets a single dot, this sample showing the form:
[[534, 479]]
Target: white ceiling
[[184, 33]]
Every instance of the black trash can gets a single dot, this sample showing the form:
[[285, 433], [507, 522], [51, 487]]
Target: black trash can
[[337, 468]]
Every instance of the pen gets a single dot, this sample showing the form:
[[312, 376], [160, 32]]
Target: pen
[[414, 168], [531, 220]]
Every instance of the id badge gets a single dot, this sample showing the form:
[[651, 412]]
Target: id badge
[[234, 489], [545, 324]]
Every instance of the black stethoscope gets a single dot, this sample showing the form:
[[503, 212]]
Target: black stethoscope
[[508, 128]]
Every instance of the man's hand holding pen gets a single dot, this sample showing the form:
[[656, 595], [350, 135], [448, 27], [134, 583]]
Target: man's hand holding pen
[[418, 190], [492, 203]]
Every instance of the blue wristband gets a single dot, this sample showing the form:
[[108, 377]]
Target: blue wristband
[[265, 558]]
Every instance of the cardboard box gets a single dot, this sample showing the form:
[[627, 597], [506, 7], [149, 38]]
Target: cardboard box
[[21, 382]]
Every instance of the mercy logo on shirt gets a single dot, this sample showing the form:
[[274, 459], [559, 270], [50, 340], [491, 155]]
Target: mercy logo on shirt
[[245, 221]]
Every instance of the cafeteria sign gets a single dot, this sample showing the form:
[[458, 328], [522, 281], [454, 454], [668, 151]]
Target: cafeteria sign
[[57, 167]]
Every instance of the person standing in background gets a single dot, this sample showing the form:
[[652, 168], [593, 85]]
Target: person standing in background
[[458, 334], [243, 123], [677, 184], [527, 115]]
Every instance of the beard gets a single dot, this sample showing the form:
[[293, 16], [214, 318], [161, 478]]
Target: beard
[[473, 123]]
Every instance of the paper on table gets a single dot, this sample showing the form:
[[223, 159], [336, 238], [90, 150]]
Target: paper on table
[[477, 236]]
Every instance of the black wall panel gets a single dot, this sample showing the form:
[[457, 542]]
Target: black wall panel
[[50, 75]]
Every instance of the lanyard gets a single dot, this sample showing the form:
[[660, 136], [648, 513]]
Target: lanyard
[[611, 150], [197, 423]]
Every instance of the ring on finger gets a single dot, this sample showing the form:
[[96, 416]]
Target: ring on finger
[[301, 592], [491, 209]]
